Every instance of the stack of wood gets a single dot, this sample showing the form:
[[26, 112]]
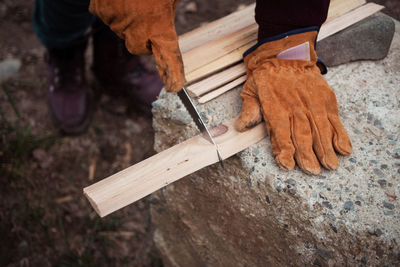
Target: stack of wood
[[212, 57]]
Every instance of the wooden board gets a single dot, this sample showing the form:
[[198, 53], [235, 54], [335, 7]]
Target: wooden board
[[221, 90], [329, 28], [145, 177], [216, 81], [214, 30], [340, 7]]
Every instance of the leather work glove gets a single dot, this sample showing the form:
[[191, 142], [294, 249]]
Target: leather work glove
[[285, 85], [147, 27]]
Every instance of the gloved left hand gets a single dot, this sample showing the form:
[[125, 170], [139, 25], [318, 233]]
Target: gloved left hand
[[285, 86], [147, 27]]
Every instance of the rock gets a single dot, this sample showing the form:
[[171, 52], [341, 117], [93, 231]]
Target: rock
[[43, 159], [191, 7], [9, 68], [365, 40], [247, 214]]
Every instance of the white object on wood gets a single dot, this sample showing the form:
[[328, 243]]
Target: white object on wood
[[168, 166]]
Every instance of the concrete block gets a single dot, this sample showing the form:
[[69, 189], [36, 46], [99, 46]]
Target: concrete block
[[368, 39], [254, 214]]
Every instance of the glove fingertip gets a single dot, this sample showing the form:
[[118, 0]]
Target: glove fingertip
[[285, 162]]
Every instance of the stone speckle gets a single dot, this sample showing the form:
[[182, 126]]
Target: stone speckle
[[215, 206], [388, 205], [348, 205]]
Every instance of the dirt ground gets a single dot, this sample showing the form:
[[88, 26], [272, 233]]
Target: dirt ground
[[44, 218]]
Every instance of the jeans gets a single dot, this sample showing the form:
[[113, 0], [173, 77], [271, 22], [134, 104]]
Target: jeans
[[61, 23]]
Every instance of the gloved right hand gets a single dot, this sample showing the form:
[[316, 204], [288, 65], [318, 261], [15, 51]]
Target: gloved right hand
[[147, 27]]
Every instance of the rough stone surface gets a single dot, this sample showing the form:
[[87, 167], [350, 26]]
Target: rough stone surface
[[368, 39], [255, 214]]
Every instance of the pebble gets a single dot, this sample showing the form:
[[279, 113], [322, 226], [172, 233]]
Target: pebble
[[327, 204], [267, 199], [292, 191], [348, 205], [388, 213], [191, 7], [291, 181], [41, 156], [353, 160], [382, 182], [388, 205], [9, 68], [133, 127], [377, 123], [379, 173]]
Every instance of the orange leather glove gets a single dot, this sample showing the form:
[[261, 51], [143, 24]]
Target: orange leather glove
[[147, 27], [285, 85]]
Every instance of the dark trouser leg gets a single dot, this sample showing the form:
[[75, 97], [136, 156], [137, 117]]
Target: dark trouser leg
[[61, 23], [276, 17]]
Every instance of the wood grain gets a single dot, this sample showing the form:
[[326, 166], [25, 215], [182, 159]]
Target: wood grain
[[217, 28], [168, 166], [216, 81], [221, 90]]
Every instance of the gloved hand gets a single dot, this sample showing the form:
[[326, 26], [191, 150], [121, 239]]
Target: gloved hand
[[147, 27], [285, 85]]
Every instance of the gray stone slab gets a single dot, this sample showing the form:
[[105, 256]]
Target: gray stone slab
[[368, 39], [255, 214]]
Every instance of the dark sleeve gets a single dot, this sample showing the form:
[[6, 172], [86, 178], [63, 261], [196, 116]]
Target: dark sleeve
[[279, 16]]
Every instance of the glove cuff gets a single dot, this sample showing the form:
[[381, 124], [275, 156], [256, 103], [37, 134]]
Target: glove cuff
[[300, 42]]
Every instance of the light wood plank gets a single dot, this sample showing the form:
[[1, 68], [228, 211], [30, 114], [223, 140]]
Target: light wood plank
[[340, 7], [335, 25], [214, 49], [214, 30], [218, 64], [168, 166], [221, 90], [216, 81]]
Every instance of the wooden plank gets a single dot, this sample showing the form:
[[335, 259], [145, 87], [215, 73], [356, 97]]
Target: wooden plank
[[214, 30], [214, 49], [168, 166], [340, 7], [335, 25], [216, 81], [218, 64], [329, 28], [223, 89]]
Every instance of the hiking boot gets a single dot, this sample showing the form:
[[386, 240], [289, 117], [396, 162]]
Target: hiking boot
[[69, 96], [121, 73]]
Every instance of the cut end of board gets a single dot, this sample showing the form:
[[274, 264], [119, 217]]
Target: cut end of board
[[93, 203]]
